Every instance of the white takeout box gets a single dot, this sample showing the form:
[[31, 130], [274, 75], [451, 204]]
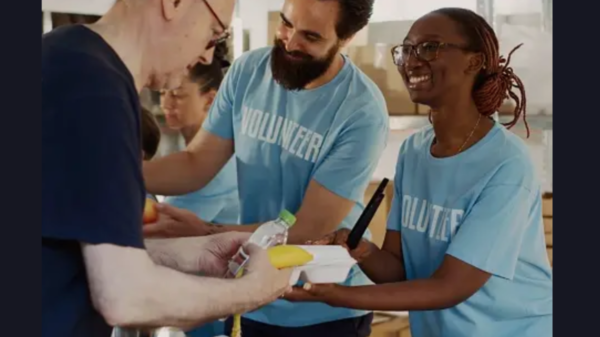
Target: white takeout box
[[330, 264]]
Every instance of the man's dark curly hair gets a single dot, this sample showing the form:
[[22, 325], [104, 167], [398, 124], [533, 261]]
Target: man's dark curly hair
[[354, 15]]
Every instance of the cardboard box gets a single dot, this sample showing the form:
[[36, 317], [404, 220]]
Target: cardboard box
[[548, 239], [547, 225], [547, 207], [376, 62]]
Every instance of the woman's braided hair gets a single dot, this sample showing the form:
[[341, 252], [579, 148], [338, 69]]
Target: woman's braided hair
[[210, 76], [495, 82]]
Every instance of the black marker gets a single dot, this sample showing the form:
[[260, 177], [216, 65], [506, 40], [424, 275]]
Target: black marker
[[367, 215]]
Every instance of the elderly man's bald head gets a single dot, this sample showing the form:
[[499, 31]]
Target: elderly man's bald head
[[174, 34]]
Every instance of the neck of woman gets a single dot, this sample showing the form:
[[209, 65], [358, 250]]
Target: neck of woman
[[457, 123]]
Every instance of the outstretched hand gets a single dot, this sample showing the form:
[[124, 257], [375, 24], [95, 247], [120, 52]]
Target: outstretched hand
[[175, 222], [310, 293]]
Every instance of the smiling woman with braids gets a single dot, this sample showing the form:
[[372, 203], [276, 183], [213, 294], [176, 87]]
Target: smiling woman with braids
[[464, 251]]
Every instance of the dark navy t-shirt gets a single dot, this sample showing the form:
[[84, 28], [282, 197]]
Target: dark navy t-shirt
[[92, 185]]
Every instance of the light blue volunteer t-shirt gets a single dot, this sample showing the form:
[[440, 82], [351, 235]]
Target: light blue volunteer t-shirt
[[482, 206], [217, 202], [283, 139]]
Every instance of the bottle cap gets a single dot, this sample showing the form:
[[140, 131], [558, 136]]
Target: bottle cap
[[287, 217]]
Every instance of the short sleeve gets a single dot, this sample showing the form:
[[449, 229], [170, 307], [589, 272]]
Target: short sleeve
[[491, 234], [350, 164], [220, 114], [92, 186]]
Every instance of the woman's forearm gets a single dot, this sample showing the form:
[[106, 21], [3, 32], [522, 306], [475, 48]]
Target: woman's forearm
[[383, 267], [426, 294], [175, 174], [189, 170], [218, 228]]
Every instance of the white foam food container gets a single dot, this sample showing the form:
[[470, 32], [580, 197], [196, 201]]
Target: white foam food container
[[330, 264]]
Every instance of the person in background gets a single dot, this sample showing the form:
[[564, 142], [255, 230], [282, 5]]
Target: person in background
[[306, 128], [465, 248], [97, 270], [185, 110]]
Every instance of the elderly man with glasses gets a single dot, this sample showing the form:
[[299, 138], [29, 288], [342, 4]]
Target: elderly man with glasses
[[97, 271]]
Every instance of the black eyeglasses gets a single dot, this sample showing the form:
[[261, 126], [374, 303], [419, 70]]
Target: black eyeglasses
[[226, 33], [424, 51]]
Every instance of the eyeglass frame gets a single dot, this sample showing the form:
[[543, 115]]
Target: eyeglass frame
[[226, 32], [413, 50]]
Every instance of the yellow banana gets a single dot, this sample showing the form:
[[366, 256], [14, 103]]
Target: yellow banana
[[287, 256]]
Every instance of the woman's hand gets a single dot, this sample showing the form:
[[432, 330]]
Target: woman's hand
[[175, 222], [340, 237], [311, 293]]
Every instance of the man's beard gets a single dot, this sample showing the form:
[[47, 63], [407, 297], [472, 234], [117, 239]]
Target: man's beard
[[296, 74]]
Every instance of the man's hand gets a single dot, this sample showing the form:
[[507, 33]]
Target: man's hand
[[139, 297], [270, 282], [364, 249], [214, 256], [175, 222], [206, 255]]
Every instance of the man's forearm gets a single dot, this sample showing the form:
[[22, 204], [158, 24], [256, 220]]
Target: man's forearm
[[170, 298], [130, 290], [321, 213], [218, 229], [425, 294], [298, 234]]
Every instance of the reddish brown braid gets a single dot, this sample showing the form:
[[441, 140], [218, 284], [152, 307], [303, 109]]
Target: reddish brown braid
[[496, 80]]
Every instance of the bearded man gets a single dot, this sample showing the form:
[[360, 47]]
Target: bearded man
[[307, 129]]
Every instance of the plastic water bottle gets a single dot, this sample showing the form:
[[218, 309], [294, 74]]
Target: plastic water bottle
[[269, 234]]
